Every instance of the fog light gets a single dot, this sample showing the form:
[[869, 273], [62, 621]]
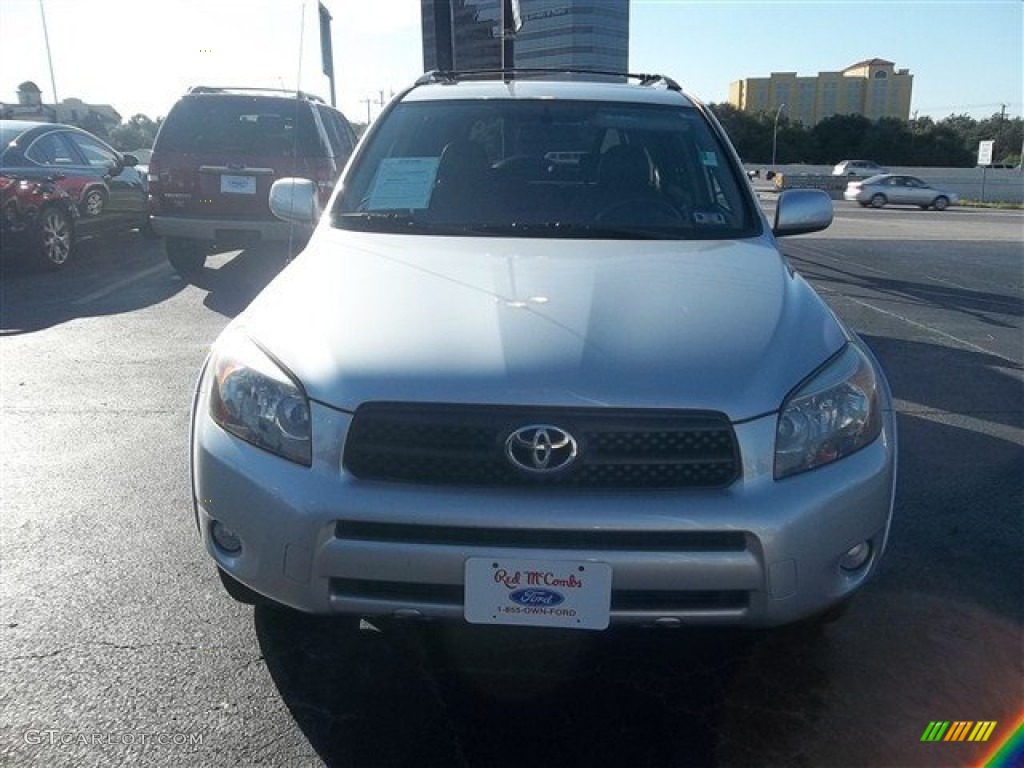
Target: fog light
[[225, 538], [856, 556]]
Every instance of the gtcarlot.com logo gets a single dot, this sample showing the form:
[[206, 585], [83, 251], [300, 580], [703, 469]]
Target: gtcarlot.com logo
[[59, 738]]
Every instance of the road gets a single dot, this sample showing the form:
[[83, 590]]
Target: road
[[118, 647]]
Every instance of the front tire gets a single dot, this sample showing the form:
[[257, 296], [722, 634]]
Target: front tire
[[878, 201], [53, 238], [941, 203], [238, 591], [186, 256]]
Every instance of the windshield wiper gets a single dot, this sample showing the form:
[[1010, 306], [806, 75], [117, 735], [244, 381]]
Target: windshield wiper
[[377, 221], [402, 222]]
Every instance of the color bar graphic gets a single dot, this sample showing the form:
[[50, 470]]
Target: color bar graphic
[[934, 731], [982, 731], [958, 730]]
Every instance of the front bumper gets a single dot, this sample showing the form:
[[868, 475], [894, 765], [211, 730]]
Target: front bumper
[[761, 552]]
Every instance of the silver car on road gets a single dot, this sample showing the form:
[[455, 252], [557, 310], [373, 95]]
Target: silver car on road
[[897, 189], [543, 363]]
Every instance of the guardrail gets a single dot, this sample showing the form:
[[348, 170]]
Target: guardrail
[[994, 185]]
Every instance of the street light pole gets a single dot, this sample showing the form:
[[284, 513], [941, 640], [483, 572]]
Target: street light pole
[[775, 132], [49, 59]]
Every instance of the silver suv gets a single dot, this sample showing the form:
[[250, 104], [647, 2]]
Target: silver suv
[[542, 363]]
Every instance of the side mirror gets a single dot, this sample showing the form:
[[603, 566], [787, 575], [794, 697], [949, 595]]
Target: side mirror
[[802, 210], [295, 200]]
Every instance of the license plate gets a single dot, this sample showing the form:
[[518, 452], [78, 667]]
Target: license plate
[[538, 593], [238, 185]]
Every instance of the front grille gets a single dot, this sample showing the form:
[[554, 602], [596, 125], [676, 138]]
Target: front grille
[[465, 445]]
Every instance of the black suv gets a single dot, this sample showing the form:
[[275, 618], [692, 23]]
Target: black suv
[[218, 152]]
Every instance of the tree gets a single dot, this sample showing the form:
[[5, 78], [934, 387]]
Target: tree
[[137, 133], [841, 137]]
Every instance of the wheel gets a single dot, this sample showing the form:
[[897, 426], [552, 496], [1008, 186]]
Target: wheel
[[812, 627], [146, 230], [94, 202], [242, 594], [238, 590], [186, 256], [53, 237], [941, 203], [878, 201]]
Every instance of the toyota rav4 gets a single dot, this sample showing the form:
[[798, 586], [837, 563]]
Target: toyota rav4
[[543, 363]]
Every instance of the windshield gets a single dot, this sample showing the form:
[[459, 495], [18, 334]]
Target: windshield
[[541, 168]]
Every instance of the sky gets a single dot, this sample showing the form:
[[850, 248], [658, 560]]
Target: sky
[[966, 56]]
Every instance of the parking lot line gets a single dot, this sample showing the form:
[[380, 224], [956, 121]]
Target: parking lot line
[[119, 284]]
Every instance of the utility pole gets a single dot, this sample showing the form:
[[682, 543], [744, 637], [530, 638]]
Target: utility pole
[[367, 102]]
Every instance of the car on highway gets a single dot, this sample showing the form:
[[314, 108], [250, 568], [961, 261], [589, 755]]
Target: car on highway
[[898, 189], [216, 155], [499, 388], [59, 184], [863, 168]]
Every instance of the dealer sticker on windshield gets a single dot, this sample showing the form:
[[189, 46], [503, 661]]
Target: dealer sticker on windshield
[[540, 593]]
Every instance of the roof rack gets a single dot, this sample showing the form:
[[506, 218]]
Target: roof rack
[[454, 76], [244, 89]]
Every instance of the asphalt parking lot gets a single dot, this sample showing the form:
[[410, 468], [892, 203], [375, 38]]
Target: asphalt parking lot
[[118, 646]]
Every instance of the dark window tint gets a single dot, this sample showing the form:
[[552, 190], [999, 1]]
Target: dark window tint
[[243, 124]]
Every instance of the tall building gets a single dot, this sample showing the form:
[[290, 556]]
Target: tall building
[[578, 34], [872, 88]]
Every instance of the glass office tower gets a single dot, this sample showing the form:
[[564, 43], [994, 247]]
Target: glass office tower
[[577, 34]]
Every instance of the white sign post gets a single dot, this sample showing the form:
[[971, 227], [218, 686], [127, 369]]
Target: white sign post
[[985, 152], [984, 160]]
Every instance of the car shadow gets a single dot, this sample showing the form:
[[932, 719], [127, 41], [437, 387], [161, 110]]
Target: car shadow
[[984, 306], [959, 493], [112, 274], [233, 279], [936, 378], [423, 694]]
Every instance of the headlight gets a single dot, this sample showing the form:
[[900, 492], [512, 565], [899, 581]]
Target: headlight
[[254, 399], [834, 414]]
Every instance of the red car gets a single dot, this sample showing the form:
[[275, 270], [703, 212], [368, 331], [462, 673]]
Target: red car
[[59, 184], [39, 214]]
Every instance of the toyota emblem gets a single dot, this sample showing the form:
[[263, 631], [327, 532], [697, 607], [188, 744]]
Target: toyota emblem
[[541, 449]]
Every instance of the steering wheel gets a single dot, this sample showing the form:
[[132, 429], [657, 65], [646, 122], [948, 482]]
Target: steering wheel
[[641, 210]]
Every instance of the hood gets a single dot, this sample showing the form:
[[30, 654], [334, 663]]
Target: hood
[[715, 325]]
